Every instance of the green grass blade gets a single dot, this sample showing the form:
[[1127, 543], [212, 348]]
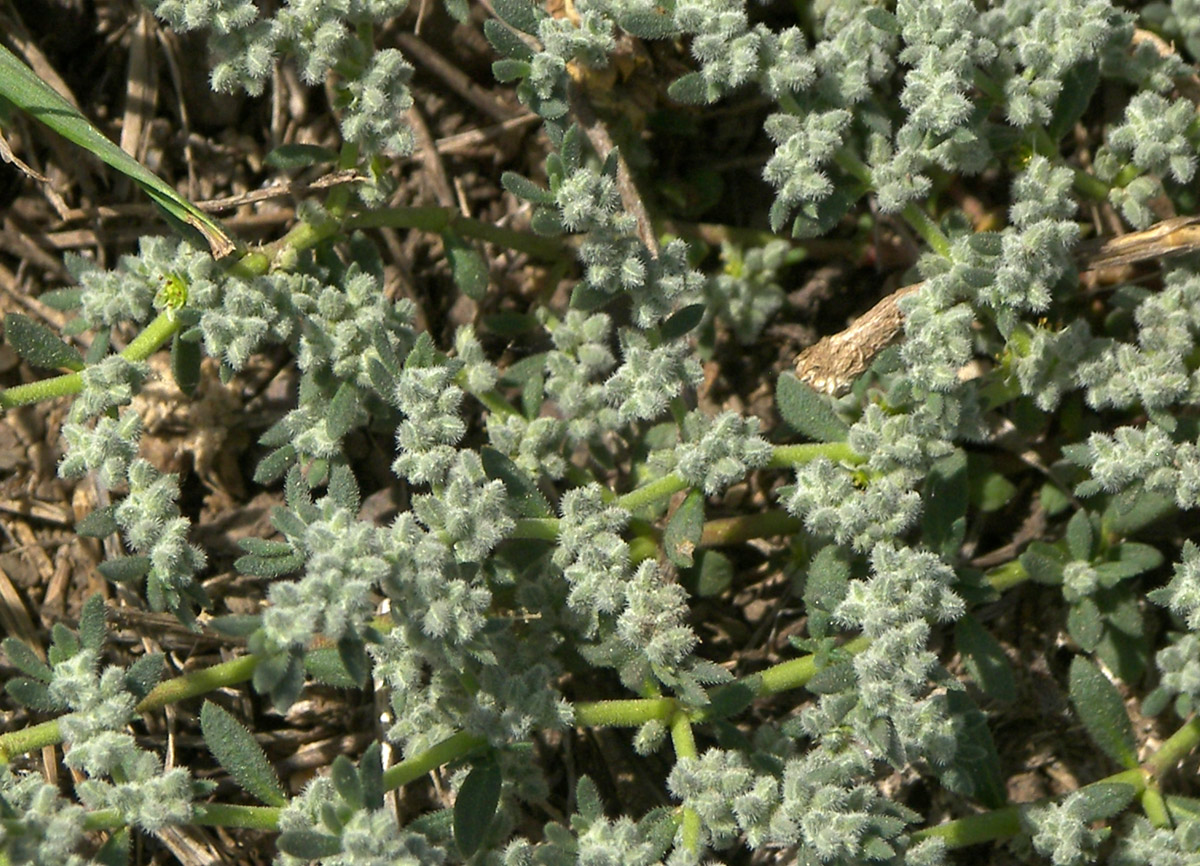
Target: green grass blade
[[20, 86]]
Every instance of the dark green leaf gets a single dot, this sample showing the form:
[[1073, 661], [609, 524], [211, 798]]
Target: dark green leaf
[[1078, 85], [807, 412], [508, 323], [370, 771], [289, 524], [587, 298], [281, 676], [520, 371], [729, 700], [975, 769], [689, 89], [326, 666], [236, 750], [64, 644], [63, 300], [521, 14], [24, 659], [523, 494], [944, 518], [346, 782], [125, 569], [1132, 559], [98, 523], [38, 345], [506, 43], [342, 411], [1103, 800], [32, 694], [343, 488], [1079, 536], [1085, 624], [144, 674], [92, 628], [476, 806], [991, 491], [467, 267], [308, 844], [714, 573], [533, 395], [825, 587], [1155, 702], [832, 679], [290, 156], [460, 10], [882, 19], [271, 467], [985, 659], [269, 566], [265, 547], [682, 321], [353, 655], [508, 70], [1044, 563], [98, 350], [1100, 708], [185, 364], [547, 222], [236, 625], [1133, 510], [647, 22], [332, 817], [115, 850], [683, 529]]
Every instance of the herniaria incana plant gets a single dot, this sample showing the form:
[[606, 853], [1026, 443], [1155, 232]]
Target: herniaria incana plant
[[562, 511]]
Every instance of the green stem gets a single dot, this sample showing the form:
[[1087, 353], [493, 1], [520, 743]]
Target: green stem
[[1175, 749], [540, 528], [29, 739], [143, 346], [447, 750], [648, 494], [495, 402], [1089, 185], [1005, 577], [229, 815], [733, 530], [45, 389], [199, 682], [1006, 823], [1155, 806], [684, 742], [624, 714], [927, 229], [796, 673], [787, 456]]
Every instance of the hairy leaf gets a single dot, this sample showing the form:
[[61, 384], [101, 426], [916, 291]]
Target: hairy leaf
[[236, 750], [1100, 708], [807, 412], [38, 345]]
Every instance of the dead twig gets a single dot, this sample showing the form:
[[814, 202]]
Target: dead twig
[[602, 143], [833, 363]]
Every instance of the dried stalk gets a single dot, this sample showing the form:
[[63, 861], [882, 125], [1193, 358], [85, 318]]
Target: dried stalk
[[833, 363]]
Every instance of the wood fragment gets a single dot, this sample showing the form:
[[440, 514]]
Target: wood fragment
[[833, 363]]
